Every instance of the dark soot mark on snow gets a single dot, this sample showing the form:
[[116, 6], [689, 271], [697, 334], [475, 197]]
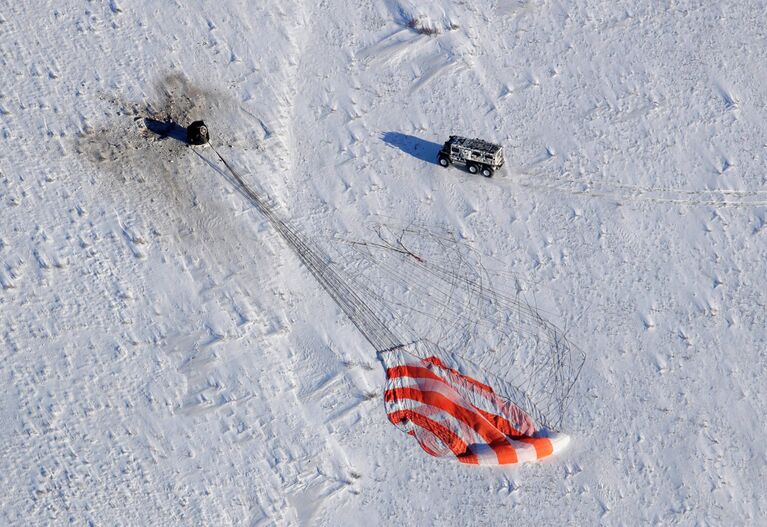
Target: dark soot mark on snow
[[152, 172], [133, 139]]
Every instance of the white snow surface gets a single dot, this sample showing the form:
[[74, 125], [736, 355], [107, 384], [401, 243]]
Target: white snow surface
[[166, 360]]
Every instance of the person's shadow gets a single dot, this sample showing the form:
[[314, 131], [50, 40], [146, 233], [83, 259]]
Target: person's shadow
[[416, 147]]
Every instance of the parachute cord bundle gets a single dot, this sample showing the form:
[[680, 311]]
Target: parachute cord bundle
[[318, 264]]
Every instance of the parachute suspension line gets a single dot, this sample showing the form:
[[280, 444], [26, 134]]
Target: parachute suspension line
[[541, 386], [319, 265]]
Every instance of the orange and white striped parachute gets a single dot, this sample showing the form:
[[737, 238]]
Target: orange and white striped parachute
[[453, 415]]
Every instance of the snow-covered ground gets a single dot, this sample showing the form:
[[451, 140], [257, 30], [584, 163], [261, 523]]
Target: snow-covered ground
[[166, 360]]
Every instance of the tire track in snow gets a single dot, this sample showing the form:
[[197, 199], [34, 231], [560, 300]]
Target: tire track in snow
[[619, 193]]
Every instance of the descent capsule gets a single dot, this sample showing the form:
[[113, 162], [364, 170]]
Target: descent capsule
[[197, 133]]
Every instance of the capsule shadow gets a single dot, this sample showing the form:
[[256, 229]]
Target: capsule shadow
[[166, 129]]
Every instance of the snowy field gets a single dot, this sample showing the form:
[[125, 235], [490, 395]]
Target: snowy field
[[166, 359]]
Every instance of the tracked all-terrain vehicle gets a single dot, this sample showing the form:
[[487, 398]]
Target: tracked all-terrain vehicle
[[480, 157]]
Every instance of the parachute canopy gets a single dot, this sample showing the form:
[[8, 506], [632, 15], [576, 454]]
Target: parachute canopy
[[456, 416]]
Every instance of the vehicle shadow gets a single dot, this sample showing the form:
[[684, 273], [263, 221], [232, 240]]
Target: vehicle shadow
[[415, 146], [166, 129]]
